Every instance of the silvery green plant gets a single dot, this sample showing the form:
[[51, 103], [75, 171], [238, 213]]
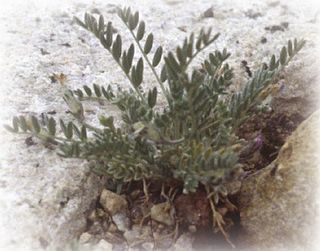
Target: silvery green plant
[[191, 140]]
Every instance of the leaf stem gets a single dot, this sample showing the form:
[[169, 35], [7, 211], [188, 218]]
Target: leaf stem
[[198, 51], [166, 94], [127, 75]]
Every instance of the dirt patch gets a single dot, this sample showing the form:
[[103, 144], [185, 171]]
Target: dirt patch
[[274, 126], [191, 213]]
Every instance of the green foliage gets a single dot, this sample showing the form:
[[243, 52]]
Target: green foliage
[[191, 139]]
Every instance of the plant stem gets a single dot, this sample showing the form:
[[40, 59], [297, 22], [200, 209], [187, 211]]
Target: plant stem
[[48, 136], [197, 52], [217, 218], [127, 75], [91, 127], [149, 63]]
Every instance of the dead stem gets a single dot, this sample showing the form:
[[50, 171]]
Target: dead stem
[[163, 194], [176, 231], [217, 219], [229, 204], [143, 219], [145, 190], [171, 193]]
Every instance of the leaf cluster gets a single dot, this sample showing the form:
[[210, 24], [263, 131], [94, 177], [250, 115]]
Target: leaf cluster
[[191, 139]]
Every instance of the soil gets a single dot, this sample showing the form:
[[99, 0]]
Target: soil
[[192, 211], [275, 128]]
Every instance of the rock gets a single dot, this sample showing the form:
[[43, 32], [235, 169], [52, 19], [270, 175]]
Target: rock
[[148, 246], [278, 205], [85, 238], [101, 214], [208, 13], [184, 243], [138, 233], [98, 229], [92, 216], [163, 213], [103, 246], [112, 202], [121, 220], [192, 228], [132, 234], [113, 228], [263, 40], [120, 247], [253, 14]]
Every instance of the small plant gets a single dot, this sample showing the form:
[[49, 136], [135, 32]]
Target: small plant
[[191, 140]]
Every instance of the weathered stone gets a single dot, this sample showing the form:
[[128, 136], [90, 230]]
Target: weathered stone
[[112, 202], [279, 204], [208, 13], [103, 246], [101, 213], [85, 238], [113, 228], [121, 220], [148, 246], [184, 243], [137, 233], [163, 213], [93, 215]]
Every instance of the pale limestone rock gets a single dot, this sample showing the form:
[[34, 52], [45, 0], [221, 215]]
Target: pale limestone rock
[[103, 246], [137, 233], [148, 245], [121, 220], [85, 238], [184, 243], [279, 205]]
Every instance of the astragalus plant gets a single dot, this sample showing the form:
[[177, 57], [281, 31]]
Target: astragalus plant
[[190, 140]]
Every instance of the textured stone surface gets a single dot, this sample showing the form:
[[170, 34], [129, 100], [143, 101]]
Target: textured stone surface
[[184, 242], [112, 202], [163, 213], [43, 197], [279, 205], [103, 246]]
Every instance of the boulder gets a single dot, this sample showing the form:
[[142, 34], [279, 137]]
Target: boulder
[[279, 205]]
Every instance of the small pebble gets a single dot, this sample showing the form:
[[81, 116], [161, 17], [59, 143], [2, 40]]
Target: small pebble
[[85, 238], [208, 13], [263, 40], [29, 141], [192, 228], [103, 246], [112, 202]]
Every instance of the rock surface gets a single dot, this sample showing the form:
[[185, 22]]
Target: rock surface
[[184, 243], [43, 198], [163, 213], [112, 202], [103, 246], [279, 205]]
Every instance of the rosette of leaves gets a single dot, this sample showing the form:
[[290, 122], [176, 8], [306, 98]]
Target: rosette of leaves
[[191, 139]]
